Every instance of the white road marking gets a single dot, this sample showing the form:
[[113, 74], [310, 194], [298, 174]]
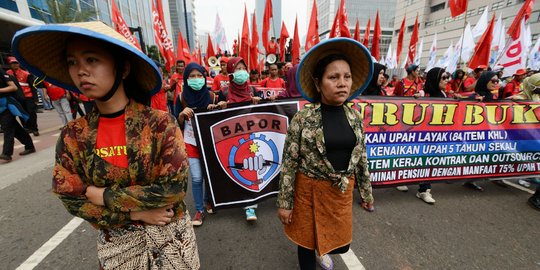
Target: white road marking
[[351, 261], [518, 187], [50, 245]]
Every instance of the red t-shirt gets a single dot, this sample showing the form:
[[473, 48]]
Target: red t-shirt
[[512, 88], [220, 81], [407, 88], [111, 141], [179, 83], [54, 92], [269, 83], [272, 48], [468, 82], [159, 101]]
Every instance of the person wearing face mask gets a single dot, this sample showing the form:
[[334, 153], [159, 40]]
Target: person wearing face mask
[[239, 89], [195, 95]]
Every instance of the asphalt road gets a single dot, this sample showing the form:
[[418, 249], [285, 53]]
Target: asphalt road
[[465, 229]]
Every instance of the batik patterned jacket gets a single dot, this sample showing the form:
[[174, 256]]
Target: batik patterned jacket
[[305, 152], [156, 175]]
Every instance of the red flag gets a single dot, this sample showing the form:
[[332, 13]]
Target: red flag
[[457, 7], [340, 27], [162, 38], [375, 51], [195, 56], [400, 40], [182, 51], [199, 55], [412, 43], [121, 26], [295, 51], [209, 48], [366, 33], [244, 46], [282, 39], [482, 49], [524, 12], [312, 37], [357, 31], [254, 49], [266, 23]]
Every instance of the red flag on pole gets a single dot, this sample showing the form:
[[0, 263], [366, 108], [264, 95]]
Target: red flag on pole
[[254, 48], [210, 48], [121, 26], [199, 55], [312, 37], [295, 51], [412, 43], [162, 38], [400, 40], [266, 23], [182, 51], [482, 49], [375, 51], [524, 12], [457, 7], [357, 31], [282, 39], [366, 33], [340, 27], [244, 46]]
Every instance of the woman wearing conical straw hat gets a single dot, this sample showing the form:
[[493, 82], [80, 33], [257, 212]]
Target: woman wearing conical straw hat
[[325, 153], [123, 166]]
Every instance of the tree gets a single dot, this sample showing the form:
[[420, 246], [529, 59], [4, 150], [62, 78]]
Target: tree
[[64, 11]]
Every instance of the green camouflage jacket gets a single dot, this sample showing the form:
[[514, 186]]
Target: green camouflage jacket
[[156, 175], [305, 151]]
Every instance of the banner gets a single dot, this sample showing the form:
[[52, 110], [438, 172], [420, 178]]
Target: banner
[[121, 26], [407, 141], [161, 37]]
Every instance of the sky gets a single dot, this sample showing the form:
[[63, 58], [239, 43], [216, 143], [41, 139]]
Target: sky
[[231, 14]]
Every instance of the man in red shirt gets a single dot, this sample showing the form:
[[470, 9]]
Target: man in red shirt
[[411, 85], [177, 79], [470, 82], [25, 80], [59, 101], [274, 81], [222, 79], [513, 88], [272, 47]]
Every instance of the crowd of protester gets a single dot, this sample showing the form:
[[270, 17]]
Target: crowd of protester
[[191, 86]]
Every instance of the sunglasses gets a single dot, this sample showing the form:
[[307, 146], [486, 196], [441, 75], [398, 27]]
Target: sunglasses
[[494, 81], [445, 78]]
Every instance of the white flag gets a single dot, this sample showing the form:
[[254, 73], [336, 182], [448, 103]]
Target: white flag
[[444, 62], [419, 50], [389, 61], [219, 35], [534, 56], [432, 53], [499, 41], [481, 25], [528, 38], [515, 57]]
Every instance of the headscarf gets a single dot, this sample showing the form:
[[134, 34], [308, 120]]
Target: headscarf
[[195, 99], [373, 89], [292, 91], [431, 87], [528, 85], [237, 92], [481, 85], [455, 74]]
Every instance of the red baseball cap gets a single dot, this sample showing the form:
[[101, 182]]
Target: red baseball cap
[[480, 67], [520, 71], [12, 59], [223, 59]]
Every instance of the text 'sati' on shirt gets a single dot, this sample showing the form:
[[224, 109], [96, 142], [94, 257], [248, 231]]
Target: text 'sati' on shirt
[[111, 141]]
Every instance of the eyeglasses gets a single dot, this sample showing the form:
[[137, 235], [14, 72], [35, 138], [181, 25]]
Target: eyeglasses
[[494, 81], [445, 78]]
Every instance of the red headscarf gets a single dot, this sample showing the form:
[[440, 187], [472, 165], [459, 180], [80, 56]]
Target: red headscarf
[[237, 92]]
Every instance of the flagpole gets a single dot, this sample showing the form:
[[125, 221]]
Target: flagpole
[[463, 35]]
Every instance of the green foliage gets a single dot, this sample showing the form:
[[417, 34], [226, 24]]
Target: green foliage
[[65, 11]]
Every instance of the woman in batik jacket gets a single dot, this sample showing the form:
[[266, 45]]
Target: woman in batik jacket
[[325, 153], [123, 166]]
